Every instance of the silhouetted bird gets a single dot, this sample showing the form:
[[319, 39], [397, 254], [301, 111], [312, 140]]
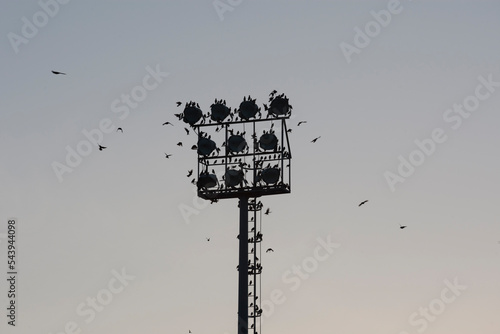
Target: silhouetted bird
[[55, 72], [190, 172], [178, 104], [208, 239], [273, 92], [269, 250], [167, 155], [268, 211], [298, 124], [187, 131], [101, 147], [315, 139], [362, 203], [167, 123], [401, 226], [179, 143], [119, 129]]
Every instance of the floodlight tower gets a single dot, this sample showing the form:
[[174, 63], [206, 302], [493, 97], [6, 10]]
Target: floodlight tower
[[252, 160]]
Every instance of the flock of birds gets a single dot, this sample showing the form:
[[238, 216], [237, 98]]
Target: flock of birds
[[178, 104], [194, 147]]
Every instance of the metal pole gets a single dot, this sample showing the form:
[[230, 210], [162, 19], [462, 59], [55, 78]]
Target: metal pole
[[243, 268]]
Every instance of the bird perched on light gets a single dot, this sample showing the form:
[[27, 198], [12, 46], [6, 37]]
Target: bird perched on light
[[119, 129], [315, 139], [167, 155], [362, 202], [101, 147], [402, 226], [56, 73], [269, 250], [167, 123]]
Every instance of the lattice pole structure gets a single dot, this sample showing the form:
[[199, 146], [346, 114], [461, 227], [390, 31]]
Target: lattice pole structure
[[255, 162]]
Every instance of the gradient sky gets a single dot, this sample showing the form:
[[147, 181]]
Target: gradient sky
[[120, 209]]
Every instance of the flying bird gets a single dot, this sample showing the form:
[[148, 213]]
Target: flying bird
[[167, 155], [190, 172], [167, 123], [362, 202], [268, 211], [119, 129], [269, 250], [402, 226], [208, 239], [298, 124], [179, 104], [101, 147], [187, 131], [56, 73], [315, 139], [179, 143]]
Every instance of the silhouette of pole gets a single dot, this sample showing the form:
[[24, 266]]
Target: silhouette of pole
[[243, 268]]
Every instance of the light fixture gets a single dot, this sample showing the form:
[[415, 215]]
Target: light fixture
[[207, 180], [219, 112], [270, 175], [236, 143], [192, 114], [233, 177], [268, 141], [206, 146], [248, 109], [279, 106]]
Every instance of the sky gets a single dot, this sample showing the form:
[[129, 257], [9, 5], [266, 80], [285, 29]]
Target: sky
[[403, 94]]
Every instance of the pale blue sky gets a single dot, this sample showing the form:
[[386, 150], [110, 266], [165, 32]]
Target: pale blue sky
[[121, 208]]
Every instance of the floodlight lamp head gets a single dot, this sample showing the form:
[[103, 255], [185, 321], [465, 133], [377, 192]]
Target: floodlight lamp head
[[219, 112], [279, 106], [192, 114], [248, 109], [207, 181], [268, 141], [236, 143], [270, 175], [233, 177], [206, 146]]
